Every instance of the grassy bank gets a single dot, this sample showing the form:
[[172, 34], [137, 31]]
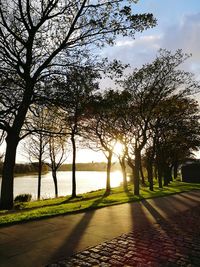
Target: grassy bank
[[63, 205]]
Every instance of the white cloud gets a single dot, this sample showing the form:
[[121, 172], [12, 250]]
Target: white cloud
[[143, 40], [135, 52], [185, 35]]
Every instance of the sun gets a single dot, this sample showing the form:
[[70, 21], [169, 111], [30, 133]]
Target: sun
[[118, 148]]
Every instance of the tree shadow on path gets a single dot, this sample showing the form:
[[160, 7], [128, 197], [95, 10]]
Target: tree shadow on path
[[76, 235]]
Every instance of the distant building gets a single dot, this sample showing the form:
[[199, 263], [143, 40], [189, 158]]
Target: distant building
[[191, 172]]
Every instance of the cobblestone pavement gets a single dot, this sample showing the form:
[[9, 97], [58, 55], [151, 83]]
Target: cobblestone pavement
[[172, 242]]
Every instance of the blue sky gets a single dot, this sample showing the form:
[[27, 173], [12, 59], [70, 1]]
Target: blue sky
[[168, 11]]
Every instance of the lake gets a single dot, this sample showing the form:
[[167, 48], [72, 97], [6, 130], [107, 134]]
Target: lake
[[86, 181]]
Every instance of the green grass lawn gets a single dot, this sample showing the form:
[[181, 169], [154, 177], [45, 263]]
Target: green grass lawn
[[65, 205]]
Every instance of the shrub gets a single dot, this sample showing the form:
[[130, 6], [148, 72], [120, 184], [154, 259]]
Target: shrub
[[19, 205], [23, 198]]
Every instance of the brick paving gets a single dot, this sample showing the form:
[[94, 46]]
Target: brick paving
[[169, 242]]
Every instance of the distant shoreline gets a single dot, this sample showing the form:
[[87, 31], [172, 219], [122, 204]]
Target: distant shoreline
[[27, 169], [91, 166]]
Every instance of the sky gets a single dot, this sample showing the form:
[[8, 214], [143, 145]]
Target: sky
[[178, 26]]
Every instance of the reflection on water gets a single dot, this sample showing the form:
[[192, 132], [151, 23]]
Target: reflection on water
[[86, 182]]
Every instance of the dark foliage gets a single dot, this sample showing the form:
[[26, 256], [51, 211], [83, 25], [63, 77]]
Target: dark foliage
[[23, 198]]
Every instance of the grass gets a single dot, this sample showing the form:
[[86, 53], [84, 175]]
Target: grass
[[65, 205]]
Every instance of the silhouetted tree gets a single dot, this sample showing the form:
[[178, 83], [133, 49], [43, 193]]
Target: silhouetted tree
[[148, 86], [57, 142], [122, 161], [176, 130], [73, 95], [36, 39], [57, 153], [119, 126], [36, 143], [101, 128]]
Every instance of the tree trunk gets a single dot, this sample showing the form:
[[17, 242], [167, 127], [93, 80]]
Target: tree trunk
[[167, 175], [12, 141], [40, 165], [39, 177], [150, 174], [165, 179], [73, 166], [155, 170], [55, 182], [109, 162], [175, 170], [159, 167], [159, 176], [123, 167], [137, 173], [170, 174], [8, 173], [141, 173], [132, 166]]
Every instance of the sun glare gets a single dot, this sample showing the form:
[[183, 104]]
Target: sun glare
[[118, 149]]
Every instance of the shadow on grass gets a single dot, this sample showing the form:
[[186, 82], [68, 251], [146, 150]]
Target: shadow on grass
[[67, 200], [97, 201], [88, 197], [87, 202], [103, 200]]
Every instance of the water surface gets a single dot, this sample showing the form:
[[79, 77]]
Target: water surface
[[86, 181]]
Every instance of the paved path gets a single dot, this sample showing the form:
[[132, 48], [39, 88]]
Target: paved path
[[42, 242], [169, 243]]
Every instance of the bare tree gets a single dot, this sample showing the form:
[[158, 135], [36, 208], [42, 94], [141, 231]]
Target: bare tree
[[57, 154], [35, 144], [57, 142]]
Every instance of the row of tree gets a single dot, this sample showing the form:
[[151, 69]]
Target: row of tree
[[47, 65], [41, 39], [152, 116]]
